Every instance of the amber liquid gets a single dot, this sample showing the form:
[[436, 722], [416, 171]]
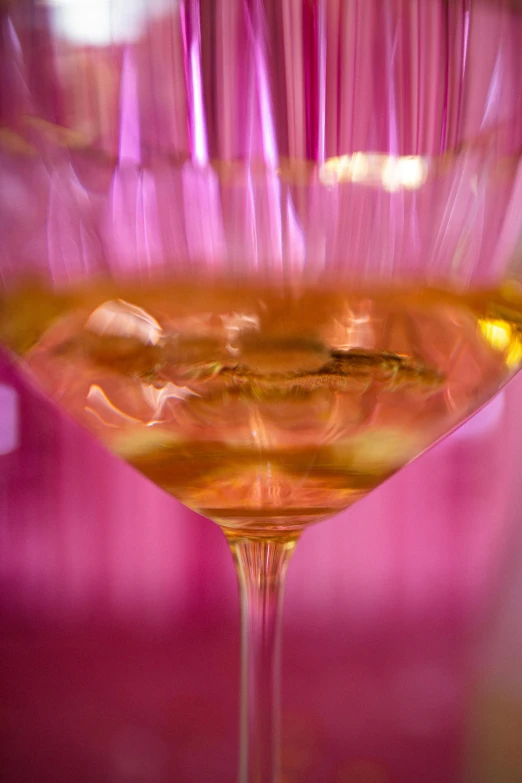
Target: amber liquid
[[266, 409]]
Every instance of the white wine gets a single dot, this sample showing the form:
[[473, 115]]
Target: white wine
[[266, 409]]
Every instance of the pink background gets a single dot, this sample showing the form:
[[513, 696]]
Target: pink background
[[119, 643]]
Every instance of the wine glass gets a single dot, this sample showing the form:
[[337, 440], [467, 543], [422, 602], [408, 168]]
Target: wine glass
[[267, 251]]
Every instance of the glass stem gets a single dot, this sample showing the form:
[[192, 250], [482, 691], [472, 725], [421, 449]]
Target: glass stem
[[261, 568]]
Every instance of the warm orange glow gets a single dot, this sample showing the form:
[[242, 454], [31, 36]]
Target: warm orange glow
[[503, 337]]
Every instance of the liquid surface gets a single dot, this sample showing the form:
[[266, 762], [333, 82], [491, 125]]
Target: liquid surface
[[262, 409]]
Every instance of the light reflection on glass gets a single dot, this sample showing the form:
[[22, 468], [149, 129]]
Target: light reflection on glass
[[104, 410], [390, 172], [121, 319], [100, 22], [501, 336]]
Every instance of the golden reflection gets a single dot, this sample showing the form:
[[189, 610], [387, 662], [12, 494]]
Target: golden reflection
[[514, 354], [496, 332], [390, 172], [504, 338]]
